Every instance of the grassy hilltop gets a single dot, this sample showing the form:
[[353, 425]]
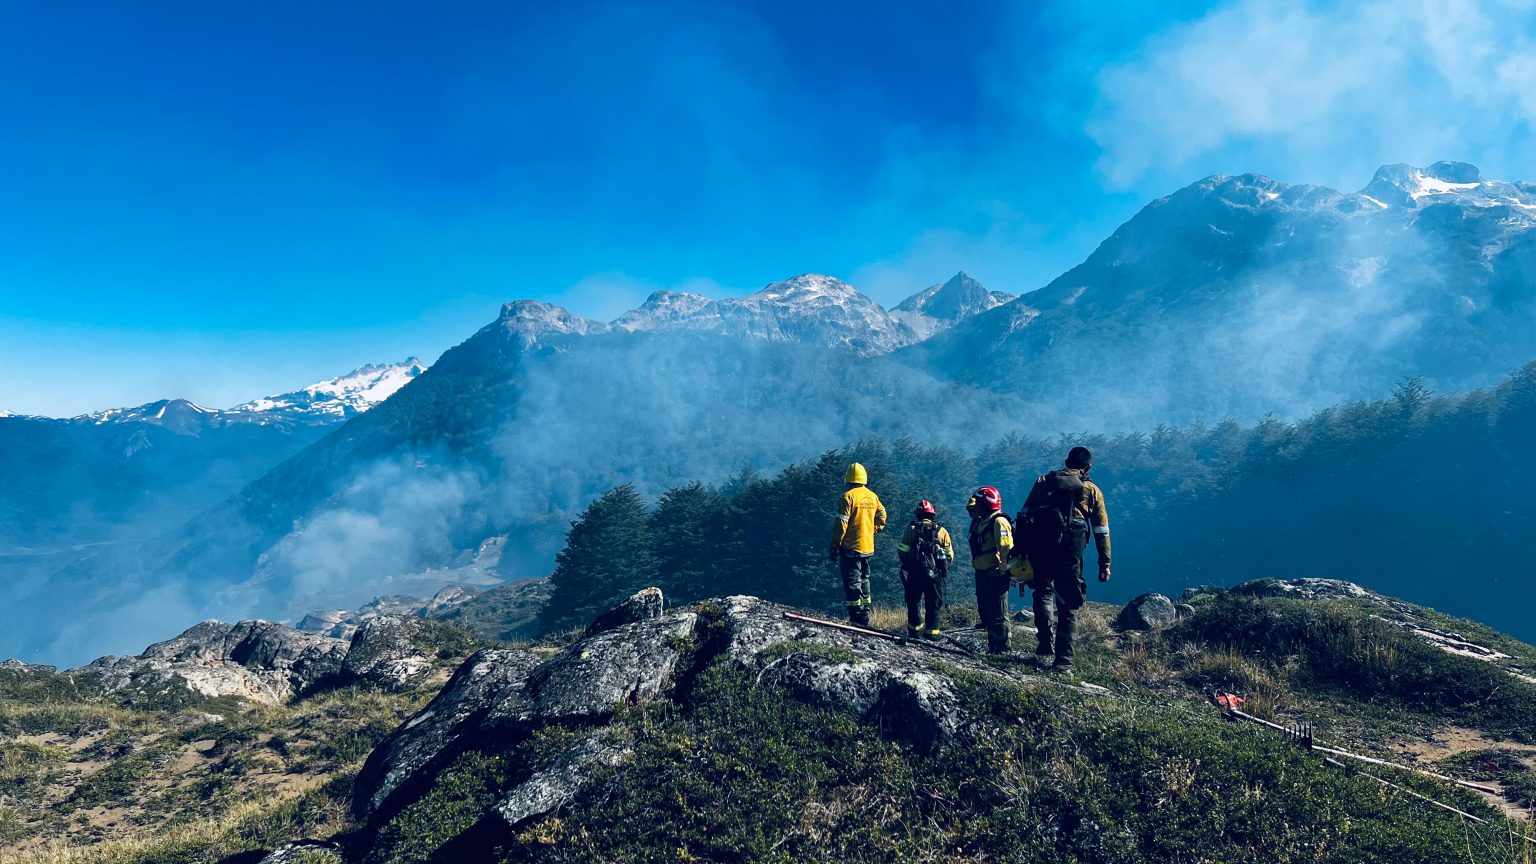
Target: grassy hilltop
[[1130, 762]]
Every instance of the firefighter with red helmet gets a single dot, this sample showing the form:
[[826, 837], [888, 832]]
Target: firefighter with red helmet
[[925, 552], [991, 537]]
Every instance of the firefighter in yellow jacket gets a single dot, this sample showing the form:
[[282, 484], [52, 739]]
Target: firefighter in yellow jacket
[[860, 516], [991, 537]]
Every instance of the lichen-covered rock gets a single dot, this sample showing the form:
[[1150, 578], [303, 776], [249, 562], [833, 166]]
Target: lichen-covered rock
[[423, 742], [591, 678], [384, 653], [1150, 611], [256, 660], [1183, 611], [553, 787], [644, 605]]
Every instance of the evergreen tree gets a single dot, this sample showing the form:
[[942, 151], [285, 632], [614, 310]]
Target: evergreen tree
[[686, 531], [607, 556]]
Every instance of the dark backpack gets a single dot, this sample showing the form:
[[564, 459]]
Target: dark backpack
[[1050, 528], [927, 557]]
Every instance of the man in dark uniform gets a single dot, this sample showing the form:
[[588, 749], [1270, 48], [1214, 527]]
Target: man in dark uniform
[[1063, 508]]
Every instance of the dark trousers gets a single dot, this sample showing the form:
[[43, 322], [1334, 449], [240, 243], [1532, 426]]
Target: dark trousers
[[992, 605], [855, 571], [1058, 584], [925, 597]]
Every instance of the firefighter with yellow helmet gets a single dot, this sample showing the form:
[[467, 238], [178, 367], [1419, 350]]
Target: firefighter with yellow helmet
[[860, 516]]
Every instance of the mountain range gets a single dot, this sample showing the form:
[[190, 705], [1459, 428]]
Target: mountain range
[[1236, 296]]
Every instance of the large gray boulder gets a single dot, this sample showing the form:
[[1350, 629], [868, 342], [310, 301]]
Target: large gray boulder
[[1150, 611], [426, 741], [384, 653], [592, 677]]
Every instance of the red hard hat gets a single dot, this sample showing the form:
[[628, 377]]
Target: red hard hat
[[925, 508], [988, 498]]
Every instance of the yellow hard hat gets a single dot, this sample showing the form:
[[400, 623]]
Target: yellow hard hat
[[856, 474]]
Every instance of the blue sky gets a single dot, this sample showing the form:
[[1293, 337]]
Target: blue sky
[[219, 201]]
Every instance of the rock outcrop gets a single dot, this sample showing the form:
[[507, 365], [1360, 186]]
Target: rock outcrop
[[500, 699], [256, 660]]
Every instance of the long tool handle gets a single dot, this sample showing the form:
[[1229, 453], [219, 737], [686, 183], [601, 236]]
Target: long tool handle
[[1236, 712], [878, 634]]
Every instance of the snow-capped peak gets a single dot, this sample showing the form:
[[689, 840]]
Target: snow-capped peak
[[338, 398]]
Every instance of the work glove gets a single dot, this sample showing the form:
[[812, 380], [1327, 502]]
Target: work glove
[[1103, 572]]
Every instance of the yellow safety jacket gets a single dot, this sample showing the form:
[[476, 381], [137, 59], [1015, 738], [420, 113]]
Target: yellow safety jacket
[[860, 516], [991, 539]]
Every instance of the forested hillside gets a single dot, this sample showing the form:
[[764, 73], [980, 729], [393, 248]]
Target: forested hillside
[[1426, 496]]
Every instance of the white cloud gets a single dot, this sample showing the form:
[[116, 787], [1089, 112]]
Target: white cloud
[[1327, 92]]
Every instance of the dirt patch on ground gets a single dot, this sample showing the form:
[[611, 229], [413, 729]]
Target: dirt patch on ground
[[1453, 741]]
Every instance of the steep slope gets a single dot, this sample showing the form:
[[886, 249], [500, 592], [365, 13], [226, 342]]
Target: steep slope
[[1243, 296]]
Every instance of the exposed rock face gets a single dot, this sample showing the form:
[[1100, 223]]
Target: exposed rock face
[[384, 652], [558, 784], [1148, 612], [420, 745], [255, 660], [588, 680]]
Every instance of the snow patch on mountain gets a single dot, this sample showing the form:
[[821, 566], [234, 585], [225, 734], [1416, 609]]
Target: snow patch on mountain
[[338, 398], [331, 401]]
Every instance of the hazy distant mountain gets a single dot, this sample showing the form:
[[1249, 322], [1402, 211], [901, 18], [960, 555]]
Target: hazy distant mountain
[[948, 303], [128, 472], [1244, 295]]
